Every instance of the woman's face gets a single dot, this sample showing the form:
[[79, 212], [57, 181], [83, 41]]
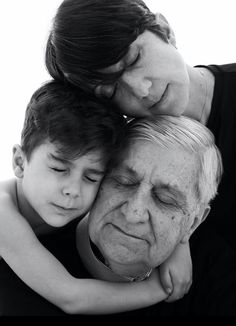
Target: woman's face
[[155, 79]]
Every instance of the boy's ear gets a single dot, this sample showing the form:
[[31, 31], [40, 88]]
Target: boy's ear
[[18, 161], [198, 219], [166, 28]]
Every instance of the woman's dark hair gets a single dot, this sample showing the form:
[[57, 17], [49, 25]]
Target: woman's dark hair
[[88, 35]]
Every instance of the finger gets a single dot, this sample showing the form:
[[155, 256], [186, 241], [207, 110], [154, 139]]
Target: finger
[[177, 293], [188, 287], [167, 282]]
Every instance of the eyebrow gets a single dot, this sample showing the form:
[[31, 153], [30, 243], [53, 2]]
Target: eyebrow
[[128, 170], [64, 161], [58, 159]]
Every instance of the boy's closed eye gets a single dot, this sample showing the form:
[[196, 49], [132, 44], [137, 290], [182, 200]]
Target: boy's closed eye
[[60, 170], [93, 179]]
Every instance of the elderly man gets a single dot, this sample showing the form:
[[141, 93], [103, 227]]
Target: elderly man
[[155, 195], [157, 192]]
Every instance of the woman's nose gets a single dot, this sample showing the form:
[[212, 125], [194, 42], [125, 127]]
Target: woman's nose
[[137, 84]]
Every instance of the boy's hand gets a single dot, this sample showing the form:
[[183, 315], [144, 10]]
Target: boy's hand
[[176, 273], [156, 287]]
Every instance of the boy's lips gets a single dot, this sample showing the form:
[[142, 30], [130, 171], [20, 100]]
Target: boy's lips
[[65, 208]]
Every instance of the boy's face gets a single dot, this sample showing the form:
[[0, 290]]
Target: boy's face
[[155, 79], [61, 190]]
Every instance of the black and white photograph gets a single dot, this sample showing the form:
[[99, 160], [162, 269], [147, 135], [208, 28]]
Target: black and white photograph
[[117, 179]]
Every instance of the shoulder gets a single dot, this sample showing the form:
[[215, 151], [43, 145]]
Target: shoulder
[[11, 221], [8, 196], [226, 68]]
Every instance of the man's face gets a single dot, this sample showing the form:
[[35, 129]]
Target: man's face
[[155, 79], [145, 206], [61, 190]]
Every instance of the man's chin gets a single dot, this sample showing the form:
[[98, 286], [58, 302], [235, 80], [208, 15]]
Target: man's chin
[[123, 262], [125, 269]]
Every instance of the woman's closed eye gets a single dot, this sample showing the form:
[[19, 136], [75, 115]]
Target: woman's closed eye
[[106, 91], [134, 61]]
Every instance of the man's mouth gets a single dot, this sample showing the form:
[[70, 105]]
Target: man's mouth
[[126, 233]]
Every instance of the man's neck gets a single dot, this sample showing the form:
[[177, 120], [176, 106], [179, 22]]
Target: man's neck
[[130, 271]]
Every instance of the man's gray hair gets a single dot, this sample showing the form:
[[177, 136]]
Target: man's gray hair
[[192, 136]]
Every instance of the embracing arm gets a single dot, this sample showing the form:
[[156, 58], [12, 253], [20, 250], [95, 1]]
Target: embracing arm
[[42, 272], [176, 272]]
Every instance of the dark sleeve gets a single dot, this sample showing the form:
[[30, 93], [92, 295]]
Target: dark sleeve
[[213, 291]]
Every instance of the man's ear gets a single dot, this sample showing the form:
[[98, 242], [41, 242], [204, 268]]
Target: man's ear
[[198, 219], [166, 28], [18, 161]]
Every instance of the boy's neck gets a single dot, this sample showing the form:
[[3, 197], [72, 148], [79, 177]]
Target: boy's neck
[[26, 210]]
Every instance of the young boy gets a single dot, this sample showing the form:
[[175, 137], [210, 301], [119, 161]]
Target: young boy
[[66, 143]]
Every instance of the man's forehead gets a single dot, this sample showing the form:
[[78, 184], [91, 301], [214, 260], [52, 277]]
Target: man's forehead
[[174, 170]]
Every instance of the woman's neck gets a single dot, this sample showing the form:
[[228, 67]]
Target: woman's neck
[[201, 93]]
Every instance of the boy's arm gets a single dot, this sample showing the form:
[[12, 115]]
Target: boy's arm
[[176, 272], [41, 271]]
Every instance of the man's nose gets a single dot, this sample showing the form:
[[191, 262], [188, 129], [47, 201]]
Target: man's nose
[[136, 209], [137, 84]]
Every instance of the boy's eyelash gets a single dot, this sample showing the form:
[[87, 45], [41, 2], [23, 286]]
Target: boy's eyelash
[[91, 179], [58, 170]]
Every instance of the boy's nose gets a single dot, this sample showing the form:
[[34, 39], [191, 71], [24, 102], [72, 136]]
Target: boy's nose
[[72, 190]]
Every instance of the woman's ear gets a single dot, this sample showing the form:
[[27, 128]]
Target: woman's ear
[[18, 161], [166, 28], [198, 219]]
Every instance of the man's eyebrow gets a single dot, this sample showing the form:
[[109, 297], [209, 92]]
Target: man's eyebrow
[[126, 168]]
